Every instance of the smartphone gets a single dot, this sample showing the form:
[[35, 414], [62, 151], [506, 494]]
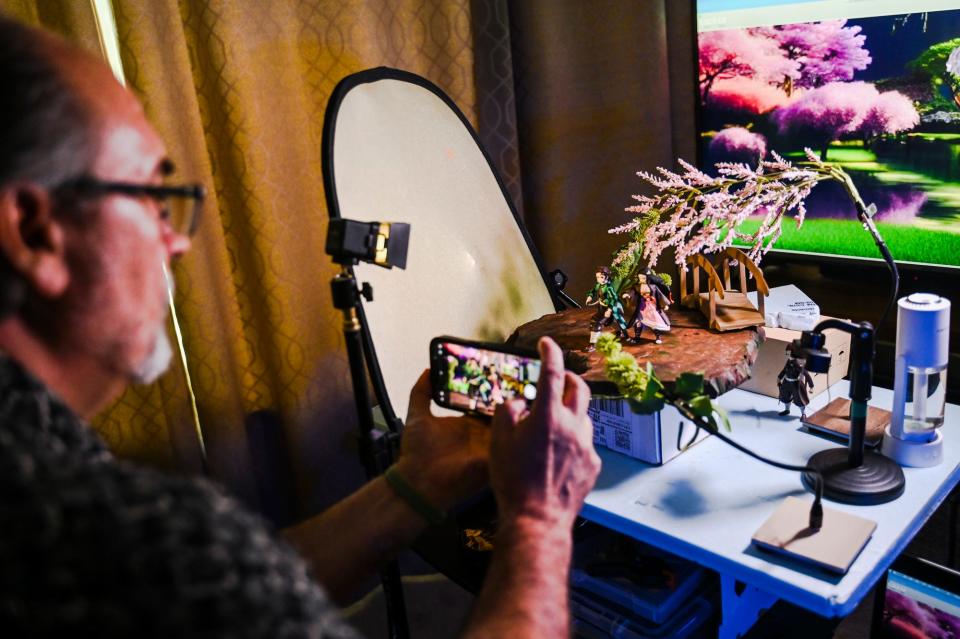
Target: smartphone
[[474, 377]]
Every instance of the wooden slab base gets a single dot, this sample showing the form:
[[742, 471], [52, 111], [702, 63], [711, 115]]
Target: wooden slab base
[[724, 358]]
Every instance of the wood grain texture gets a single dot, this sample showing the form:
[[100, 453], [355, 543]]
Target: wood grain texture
[[725, 359], [736, 311]]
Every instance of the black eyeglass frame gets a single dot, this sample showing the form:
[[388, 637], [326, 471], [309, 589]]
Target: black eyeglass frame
[[158, 192]]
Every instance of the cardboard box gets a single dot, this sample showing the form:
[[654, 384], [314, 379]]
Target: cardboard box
[[655, 438], [773, 355]]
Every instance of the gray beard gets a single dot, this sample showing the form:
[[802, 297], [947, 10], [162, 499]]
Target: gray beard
[[157, 361], [160, 355]]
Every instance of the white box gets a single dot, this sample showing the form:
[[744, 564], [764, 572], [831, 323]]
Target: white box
[[656, 438], [772, 356]]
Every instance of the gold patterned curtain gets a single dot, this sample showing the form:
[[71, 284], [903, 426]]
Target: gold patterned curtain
[[75, 20], [238, 91]]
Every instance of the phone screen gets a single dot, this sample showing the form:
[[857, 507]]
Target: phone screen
[[475, 378]]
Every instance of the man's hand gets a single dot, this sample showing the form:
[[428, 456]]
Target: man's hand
[[444, 458], [542, 463]]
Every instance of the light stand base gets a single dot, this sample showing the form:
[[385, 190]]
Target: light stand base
[[909, 452], [876, 481]]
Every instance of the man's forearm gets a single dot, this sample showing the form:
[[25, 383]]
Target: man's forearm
[[526, 590], [356, 537]]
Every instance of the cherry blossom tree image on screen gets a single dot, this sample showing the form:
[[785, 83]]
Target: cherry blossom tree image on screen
[[878, 97], [737, 144], [841, 109], [890, 112], [825, 52], [741, 53], [748, 96]]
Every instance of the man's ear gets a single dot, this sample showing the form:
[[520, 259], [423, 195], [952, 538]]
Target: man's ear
[[32, 239]]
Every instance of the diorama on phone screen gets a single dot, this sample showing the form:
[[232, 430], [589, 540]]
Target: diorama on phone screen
[[478, 379]]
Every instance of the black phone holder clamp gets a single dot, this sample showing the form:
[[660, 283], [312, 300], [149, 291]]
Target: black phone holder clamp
[[850, 475], [383, 244]]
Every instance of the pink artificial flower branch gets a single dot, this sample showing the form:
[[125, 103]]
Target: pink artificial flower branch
[[698, 213]]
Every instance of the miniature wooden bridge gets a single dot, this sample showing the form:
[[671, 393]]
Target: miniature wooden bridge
[[726, 308]]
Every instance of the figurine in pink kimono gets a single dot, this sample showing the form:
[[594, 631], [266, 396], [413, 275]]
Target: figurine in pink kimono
[[651, 298]]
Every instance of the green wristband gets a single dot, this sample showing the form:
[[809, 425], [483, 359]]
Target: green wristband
[[413, 498]]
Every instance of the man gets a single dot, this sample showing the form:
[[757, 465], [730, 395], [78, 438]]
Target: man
[[92, 545]]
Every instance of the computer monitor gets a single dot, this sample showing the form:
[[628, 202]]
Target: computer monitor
[[917, 599], [873, 86]]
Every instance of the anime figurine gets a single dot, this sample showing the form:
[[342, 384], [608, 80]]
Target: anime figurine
[[490, 392], [475, 377], [609, 309], [651, 298], [794, 383]]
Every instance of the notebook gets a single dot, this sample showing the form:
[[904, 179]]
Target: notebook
[[833, 547]]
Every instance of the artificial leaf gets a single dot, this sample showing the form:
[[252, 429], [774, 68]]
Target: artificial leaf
[[712, 422], [723, 415], [701, 406], [688, 385], [653, 389], [646, 407]]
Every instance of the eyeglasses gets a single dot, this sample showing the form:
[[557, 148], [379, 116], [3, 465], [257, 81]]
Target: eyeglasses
[[179, 205]]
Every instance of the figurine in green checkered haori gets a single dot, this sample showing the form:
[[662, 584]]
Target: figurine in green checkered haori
[[475, 378], [604, 296]]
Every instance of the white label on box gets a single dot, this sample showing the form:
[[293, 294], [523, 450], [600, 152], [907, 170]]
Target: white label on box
[[650, 438], [617, 427], [611, 428], [803, 307]]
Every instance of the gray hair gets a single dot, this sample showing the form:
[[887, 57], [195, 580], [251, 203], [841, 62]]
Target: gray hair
[[47, 136]]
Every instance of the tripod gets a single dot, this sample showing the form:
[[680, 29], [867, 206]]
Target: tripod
[[377, 448]]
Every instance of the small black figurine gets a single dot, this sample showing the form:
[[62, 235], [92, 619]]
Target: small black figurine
[[794, 382]]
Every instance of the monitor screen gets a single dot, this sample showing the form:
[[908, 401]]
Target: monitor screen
[[872, 86], [913, 608]]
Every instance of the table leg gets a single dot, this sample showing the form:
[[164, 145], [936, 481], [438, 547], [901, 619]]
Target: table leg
[[742, 606]]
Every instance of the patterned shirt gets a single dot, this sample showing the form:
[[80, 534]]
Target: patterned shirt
[[93, 546]]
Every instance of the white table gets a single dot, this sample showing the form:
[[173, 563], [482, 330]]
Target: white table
[[706, 504]]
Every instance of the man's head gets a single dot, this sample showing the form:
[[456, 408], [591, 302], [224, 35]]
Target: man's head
[[46, 134], [603, 274], [80, 272]]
